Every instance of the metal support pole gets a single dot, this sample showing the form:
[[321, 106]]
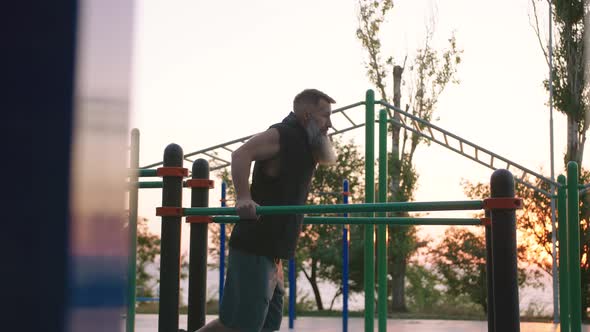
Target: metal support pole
[[197, 278], [222, 245], [573, 216], [564, 281], [345, 259], [294, 290], [506, 311], [554, 273], [489, 274], [369, 264], [292, 293], [133, 204], [552, 163], [170, 244], [382, 229]]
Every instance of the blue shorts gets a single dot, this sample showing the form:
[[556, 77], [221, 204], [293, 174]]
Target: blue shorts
[[253, 293]]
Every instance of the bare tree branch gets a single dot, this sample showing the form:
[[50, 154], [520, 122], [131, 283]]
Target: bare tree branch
[[537, 30]]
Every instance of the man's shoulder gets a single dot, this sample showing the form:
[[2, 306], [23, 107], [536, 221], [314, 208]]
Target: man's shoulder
[[287, 128]]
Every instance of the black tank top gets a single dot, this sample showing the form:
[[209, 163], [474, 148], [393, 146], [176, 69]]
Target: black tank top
[[276, 236]]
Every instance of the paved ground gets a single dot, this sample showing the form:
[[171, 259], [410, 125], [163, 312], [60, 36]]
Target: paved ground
[[149, 323]]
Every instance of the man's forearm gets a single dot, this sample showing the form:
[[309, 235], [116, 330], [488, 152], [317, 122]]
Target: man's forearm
[[240, 172]]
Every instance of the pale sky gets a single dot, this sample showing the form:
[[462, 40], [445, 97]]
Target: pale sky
[[207, 72]]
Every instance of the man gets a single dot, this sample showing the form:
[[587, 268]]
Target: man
[[285, 158]]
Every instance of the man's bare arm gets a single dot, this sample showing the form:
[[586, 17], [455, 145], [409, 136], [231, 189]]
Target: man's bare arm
[[263, 146]]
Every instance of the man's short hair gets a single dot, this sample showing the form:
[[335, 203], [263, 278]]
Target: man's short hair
[[310, 96]]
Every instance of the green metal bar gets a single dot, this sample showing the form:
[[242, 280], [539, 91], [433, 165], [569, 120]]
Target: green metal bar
[[149, 184], [369, 273], [564, 284], [573, 216], [132, 256], [154, 184], [372, 220], [239, 140], [342, 208], [382, 229], [477, 160], [466, 142], [245, 138], [147, 172], [344, 108]]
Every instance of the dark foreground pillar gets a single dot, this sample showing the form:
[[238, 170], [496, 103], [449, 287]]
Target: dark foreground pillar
[[197, 279], [170, 240], [505, 279]]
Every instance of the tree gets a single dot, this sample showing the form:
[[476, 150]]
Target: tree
[[148, 249], [585, 245], [570, 89], [534, 228], [148, 253], [461, 260], [215, 229], [423, 293], [534, 221], [571, 96], [534, 250], [319, 253], [430, 72]]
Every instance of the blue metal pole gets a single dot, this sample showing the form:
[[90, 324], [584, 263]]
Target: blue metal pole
[[292, 292], [222, 246], [345, 195]]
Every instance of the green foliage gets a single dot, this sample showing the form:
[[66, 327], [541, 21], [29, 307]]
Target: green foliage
[[423, 295], [461, 261], [407, 179], [371, 16], [569, 76], [585, 245], [302, 304], [571, 95], [534, 229], [430, 73], [356, 263], [148, 248], [319, 253], [534, 221], [215, 229], [427, 297], [148, 253]]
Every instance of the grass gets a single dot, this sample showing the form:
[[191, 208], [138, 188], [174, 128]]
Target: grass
[[450, 313]]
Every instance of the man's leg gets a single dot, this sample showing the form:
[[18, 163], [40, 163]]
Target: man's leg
[[247, 293], [275, 308]]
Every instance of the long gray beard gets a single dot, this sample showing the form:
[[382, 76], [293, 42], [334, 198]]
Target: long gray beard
[[321, 145]]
